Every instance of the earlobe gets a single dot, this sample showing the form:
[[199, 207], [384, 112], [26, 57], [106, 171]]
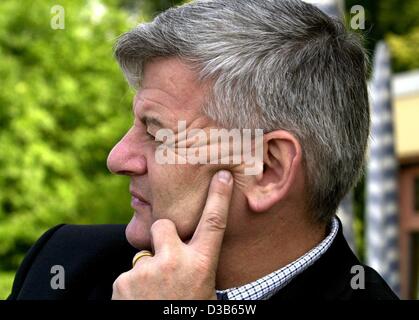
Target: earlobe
[[262, 200], [282, 161]]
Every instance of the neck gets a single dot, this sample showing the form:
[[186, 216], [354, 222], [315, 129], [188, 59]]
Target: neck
[[273, 246]]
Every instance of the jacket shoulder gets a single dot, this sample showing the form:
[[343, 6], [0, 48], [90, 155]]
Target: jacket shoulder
[[90, 256], [375, 287], [28, 260], [331, 276]]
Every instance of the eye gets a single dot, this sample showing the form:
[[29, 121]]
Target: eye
[[150, 135]]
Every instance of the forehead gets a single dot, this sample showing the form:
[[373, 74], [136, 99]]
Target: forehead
[[170, 83]]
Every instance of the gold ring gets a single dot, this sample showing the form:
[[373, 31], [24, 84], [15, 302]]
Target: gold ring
[[139, 255]]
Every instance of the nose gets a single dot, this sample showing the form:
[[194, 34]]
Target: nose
[[127, 157]]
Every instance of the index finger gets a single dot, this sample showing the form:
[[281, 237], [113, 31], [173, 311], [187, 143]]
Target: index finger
[[209, 234]]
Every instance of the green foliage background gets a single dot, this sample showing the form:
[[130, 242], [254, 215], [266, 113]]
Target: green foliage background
[[64, 104]]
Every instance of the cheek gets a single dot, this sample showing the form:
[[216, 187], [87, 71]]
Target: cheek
[[179, 193]]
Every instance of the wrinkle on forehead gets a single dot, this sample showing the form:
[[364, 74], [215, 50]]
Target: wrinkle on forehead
[[172, 76], [172, 93]]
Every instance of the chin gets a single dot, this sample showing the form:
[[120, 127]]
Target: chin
[[138, 234]]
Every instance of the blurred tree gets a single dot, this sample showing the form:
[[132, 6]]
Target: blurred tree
[[63, 105], [405, 49], [397, 22], [156, 6]]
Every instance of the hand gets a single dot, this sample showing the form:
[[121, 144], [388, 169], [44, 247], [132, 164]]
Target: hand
[[178, 270]]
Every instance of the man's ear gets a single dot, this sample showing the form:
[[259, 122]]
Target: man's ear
[[282, 160]]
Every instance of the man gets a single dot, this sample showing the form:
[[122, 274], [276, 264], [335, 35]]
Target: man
[[207, 230]]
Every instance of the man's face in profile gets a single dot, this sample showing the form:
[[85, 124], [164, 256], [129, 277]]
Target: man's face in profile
[[169, 93]]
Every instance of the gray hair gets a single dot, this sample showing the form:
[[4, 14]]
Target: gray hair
[[274, 64]]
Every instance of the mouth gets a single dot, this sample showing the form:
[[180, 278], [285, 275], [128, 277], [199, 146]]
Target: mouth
[[137, 200]]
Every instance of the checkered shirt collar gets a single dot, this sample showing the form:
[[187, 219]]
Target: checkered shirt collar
[[267, 286]]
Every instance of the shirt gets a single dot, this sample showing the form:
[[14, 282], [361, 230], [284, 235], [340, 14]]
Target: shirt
[[270, 284]]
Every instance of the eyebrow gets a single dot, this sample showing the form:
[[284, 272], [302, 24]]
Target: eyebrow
[[147, 120]]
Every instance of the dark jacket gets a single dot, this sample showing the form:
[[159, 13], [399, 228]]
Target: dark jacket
[[94, 256]]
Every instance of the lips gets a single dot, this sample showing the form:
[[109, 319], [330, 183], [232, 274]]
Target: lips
[[137, 200]]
